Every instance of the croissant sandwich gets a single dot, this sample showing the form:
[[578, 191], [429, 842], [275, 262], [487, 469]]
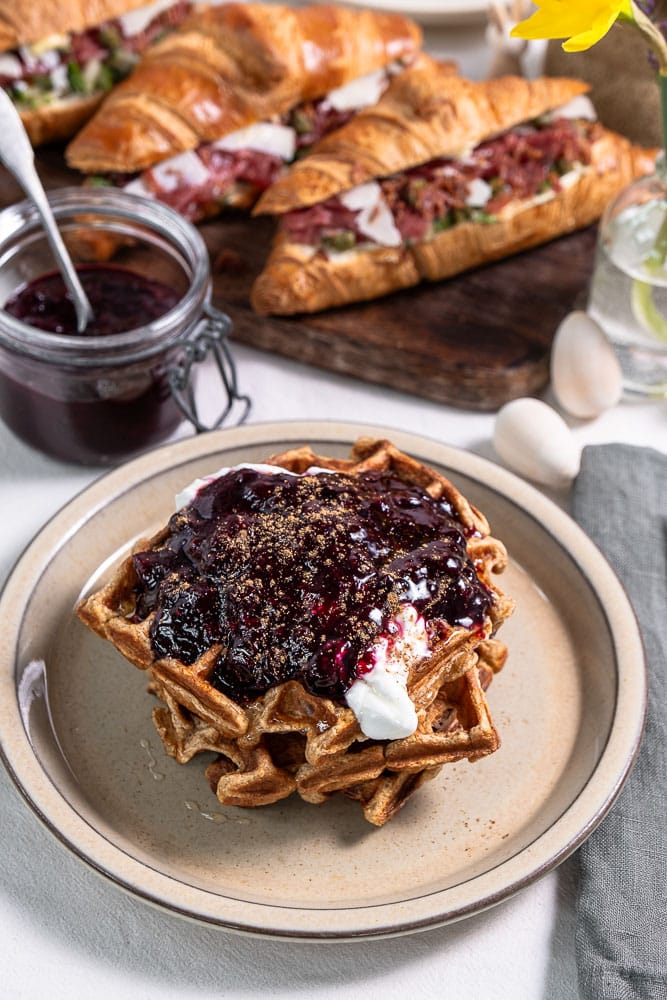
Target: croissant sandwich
[[58, 60], [212, 113], [442, 175]]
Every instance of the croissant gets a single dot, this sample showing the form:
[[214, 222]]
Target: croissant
[[23, 22], [58, 60], [420, 125], [425, 113], [230, 66]]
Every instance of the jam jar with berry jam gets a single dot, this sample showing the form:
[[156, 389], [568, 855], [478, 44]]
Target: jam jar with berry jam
[[127, 382]]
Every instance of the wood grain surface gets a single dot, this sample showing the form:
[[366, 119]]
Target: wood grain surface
[[475, 341]]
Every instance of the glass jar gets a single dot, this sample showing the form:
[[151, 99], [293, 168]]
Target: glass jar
[[628, 295], [98, 400]]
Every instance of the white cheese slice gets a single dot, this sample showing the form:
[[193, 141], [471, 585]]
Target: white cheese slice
[[59, 79], [10, 65], [360, 93], [578, 107], [265, 137], [135, 21], [570, 178], [566, 181], [138, 186], [479, 193], [28, 58], [184, 169], [41, 60], [50, 59], [375, 218]]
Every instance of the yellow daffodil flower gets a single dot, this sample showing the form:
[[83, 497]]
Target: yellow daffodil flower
[[581, 22]]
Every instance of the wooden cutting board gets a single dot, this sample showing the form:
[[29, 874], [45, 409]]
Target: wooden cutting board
[[474, 341]]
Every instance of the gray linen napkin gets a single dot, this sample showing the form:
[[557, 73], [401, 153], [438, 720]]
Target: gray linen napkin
[[620, 499]]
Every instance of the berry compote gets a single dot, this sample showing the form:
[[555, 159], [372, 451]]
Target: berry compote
[[296, 576], [86, 413], [121, 300]]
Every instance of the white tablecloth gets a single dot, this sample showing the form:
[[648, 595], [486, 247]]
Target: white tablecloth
[[67, 933]]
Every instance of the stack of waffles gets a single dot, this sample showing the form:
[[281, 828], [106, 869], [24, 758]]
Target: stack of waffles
[[267, 744]]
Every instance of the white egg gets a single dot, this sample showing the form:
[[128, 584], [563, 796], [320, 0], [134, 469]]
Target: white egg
[[586, 376], [532, 439]]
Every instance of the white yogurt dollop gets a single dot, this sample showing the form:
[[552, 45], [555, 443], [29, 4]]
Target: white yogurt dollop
[[380, 698]]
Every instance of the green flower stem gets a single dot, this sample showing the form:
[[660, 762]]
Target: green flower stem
[[644, 308], [655, 262], [656, 40]]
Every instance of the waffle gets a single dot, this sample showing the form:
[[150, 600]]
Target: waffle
[[289, 739]]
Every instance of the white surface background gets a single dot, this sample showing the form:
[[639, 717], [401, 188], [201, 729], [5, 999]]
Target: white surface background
[[65, 932]]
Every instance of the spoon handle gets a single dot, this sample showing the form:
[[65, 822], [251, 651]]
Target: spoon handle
[[17, 155]]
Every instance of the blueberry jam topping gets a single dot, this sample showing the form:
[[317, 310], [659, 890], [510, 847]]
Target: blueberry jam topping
[[298, 576], [121, 300]]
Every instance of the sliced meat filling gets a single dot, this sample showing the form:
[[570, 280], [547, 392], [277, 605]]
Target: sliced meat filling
[[209, 179], [237, 168], [85, 62], [528, 162]]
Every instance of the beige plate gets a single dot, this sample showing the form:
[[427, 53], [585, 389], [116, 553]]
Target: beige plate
[[78, 740]]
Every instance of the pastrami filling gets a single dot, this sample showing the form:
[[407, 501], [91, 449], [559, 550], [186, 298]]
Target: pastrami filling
[[87, 62], [224, 175], [522, 163]]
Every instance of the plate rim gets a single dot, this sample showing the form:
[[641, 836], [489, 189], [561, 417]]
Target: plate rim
[[109, 860], [458, 12]]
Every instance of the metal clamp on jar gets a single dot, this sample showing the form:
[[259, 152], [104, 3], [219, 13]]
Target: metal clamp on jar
[[103, 396]]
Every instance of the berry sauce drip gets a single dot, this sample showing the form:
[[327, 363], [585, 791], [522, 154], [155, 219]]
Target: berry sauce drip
[[297, 576], [121, 300]]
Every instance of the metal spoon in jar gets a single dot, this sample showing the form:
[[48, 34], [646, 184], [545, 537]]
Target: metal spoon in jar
[[17, 155]]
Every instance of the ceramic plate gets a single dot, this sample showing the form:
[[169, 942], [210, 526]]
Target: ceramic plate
[[430, 11], [77, 736]]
